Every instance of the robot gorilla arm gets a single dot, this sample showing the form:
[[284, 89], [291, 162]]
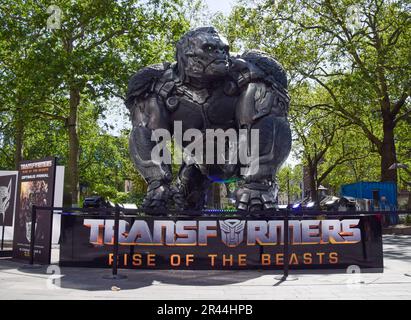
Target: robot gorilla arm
[[263, 105], [147, 114]]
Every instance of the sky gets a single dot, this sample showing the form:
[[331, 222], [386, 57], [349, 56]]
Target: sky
[[219, 5]]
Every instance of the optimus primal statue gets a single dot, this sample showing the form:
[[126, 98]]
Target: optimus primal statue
[[206, 88]]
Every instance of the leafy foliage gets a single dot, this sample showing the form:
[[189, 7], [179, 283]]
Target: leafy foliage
[[348, 65], [349, 71], [54, 83]]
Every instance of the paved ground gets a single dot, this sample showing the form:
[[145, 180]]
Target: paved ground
[[75, 283]]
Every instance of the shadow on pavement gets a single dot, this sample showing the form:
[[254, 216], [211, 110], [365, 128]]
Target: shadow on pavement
[[397, 247], [91, 279]]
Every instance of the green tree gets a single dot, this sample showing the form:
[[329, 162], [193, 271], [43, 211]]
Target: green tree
[[323, 142], [91, 54], [357, 51], [289, 180]]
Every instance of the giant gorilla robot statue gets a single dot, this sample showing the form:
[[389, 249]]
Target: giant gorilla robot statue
[[206, 88]]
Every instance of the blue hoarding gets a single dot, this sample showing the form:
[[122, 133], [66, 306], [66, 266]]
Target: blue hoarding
[[382, 194]]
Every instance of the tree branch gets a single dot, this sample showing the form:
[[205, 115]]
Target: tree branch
[[52, 116]]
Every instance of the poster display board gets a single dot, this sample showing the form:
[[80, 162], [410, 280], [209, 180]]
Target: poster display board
[[7, 197], [8, 187], [36, 184]]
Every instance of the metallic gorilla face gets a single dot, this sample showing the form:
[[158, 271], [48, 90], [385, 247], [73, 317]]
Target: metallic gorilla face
[[202, 53]]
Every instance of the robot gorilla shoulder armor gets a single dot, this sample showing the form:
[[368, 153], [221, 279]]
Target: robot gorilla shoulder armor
[[141, 83]]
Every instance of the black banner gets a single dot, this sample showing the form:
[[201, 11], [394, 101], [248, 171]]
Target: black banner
[[222, 243], [35, 187], [7, 198]]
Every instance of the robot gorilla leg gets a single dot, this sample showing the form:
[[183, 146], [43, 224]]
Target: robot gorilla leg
[[259, 191], [158, 176], [192, 186]]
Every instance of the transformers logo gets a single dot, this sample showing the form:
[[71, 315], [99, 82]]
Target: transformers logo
[[198, 233], [5, 193], [232, 232]]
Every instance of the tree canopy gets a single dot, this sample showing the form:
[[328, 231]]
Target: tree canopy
[[63, 67], [349, 75]]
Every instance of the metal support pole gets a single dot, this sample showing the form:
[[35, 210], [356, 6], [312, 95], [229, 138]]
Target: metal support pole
[[33, 232], [288, 189], [285, 276], [31, 264], [114, 272], [115, 247], [286, 255], [131, 247], [363, 243], [2, 234]]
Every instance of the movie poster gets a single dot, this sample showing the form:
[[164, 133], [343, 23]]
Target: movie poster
[[7, 198], [36, 185]]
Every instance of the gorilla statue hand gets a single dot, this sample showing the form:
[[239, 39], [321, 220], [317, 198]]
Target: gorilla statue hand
[[158, 194], [256, 197]]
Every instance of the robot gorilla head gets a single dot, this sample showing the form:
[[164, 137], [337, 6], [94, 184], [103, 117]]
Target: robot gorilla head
[[202, 53]]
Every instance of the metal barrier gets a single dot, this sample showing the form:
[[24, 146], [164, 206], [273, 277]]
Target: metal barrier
[[285, 214]]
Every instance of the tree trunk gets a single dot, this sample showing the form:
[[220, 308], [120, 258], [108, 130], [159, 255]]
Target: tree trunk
[[19, 136], [213, 198], [74, 146], [313, 185], [387, 151]]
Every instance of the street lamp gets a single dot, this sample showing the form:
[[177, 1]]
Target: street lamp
[[397, 165]]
